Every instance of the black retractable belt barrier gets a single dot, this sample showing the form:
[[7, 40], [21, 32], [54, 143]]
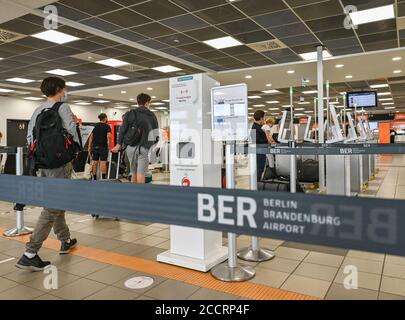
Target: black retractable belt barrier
[[355, 223]]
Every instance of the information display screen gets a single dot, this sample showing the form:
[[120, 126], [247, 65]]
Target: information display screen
[[363, 99], [230, 113]]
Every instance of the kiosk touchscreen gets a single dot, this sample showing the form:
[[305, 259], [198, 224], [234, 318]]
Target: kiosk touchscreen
[[352, 133], [336, 130], [285, 134]]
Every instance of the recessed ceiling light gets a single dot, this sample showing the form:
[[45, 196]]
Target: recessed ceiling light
[[309, 111], [378, 86], [224, 42], [272, 102], [33, 98], [396, 58], [269, 85], [121, 107], [291, 71], [113, 63], [349, 76], [161, 108], [20, 80], [339, 66], [248, 77], [166, 69], [84, 103], [158, 104], [123, 92], [6, 90], [271, 91], [385, 99], [259, 105], [314, 55], [397, 71], [389, 108], [61, 72], [299, 109], [388, 104], [274, 109], [372, 15], [310, 92], [342, 93], [132, 99], [101, 95], [254, 97], [55, 37], [74, 84], [102, 101], [153, 97], [304, 102], [114, 77], [149, 89], [167, 100], [384, 93]]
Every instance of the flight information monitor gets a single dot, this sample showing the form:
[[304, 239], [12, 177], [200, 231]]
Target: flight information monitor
[[363, 99], [230, 113]]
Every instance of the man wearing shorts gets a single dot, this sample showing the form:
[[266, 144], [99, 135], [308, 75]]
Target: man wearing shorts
[[139, 132], [99, 142]]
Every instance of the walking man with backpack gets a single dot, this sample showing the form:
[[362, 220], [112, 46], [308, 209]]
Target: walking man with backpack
[[139, 132], [51, 135]]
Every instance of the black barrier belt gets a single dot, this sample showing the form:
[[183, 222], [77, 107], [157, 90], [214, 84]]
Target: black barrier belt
[[342, 149], [8, 150], [355, 223]]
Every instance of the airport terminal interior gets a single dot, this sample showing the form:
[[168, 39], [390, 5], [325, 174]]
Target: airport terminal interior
[[324, 73]]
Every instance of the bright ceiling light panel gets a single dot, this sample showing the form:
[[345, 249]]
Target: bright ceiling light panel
[[61, 72], [310, 92], [224, 42], [101, 101], [372, 15], [254, 97], [385, 99], [113, 63], [378, 86], [314, 55], [166, 69], [20, 80], [33, 98], [272, 102], [114, 77], [6, 90], [384, 93], [271, 91], [84, 103], [74, 84], [55, 37]]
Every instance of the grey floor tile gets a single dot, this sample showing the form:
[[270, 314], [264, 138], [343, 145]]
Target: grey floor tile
[[131, 249], [316, 271], [84, 268], [110, 275], [389, 296], [338, 292], [280, 264], [270, 278], [172, 290], [156, 281], [78, 289], [63, 280], [6, 284], [363, 265], [113, 293], [394, 270], [150, 254], [207, 294], [48, 297], [316, 248], [23, 276], [20, 292], [307, 286], [393, 285], [325, 259], [291, 253]]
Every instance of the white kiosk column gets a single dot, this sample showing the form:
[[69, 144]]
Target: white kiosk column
[[195, 161]]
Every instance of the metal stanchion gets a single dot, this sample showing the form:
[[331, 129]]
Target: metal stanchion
[[254, 253], [20, 229], [293, 169], [231, 272]]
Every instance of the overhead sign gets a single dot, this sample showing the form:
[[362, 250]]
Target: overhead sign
[[230, 113]]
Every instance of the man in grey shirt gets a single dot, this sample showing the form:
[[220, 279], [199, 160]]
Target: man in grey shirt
[[55, 90]]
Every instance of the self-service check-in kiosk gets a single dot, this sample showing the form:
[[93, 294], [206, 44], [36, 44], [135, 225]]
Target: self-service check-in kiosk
[[195, 161]]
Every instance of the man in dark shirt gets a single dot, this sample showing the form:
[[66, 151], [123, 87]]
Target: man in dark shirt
[[99, 144], [259, 137]]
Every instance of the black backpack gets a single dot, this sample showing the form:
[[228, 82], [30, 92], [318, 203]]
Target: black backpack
[[134, 134], [53, 147]]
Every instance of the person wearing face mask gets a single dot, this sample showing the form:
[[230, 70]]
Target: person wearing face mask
[[55, 91], [259, 137]]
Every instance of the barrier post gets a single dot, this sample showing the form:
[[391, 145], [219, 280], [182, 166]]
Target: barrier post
[[254, 253], [231, 272], [20, 229]]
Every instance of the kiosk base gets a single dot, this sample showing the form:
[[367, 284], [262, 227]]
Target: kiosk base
[[203, 265]]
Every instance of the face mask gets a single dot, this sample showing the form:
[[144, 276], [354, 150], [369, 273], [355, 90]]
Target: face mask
[[64, 98]]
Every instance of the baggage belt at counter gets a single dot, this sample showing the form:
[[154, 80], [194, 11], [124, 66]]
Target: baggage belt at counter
[[355, 223]]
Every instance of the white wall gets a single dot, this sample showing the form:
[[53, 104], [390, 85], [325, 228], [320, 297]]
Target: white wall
[[19, 109]]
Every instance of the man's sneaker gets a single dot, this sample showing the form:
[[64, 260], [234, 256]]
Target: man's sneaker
[[67, 246], [33, 264]]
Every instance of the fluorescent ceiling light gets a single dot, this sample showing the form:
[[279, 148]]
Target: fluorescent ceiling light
[[6, 90], [396, 58], [349, 77], [272, 102], [74, 84], [114, 77], [115, 63], [259, 105], [269, 85], [310, 92], [20, 80], [166, 69], [274, 109], [55, 37], [377, 86], [121, 107], [388, 104], [372, 15], [291, 71], [248, 77], [158, 104], [161, 108], [224, 42], [339, 66], [101, 101], [314, 55], [385, 99], [61, 72], [299, 109], [305, 102], [384, 93], [389, 108], [33, 98], [123, 92], [167, 101], [308, 111], [397, 71], [254, 97], [271, 91], [84, 103]]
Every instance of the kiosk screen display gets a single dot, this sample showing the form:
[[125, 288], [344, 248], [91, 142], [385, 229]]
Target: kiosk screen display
[[230, 113], [365, 99]]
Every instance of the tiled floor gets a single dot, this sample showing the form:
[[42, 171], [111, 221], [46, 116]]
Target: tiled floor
[[307, 269]]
